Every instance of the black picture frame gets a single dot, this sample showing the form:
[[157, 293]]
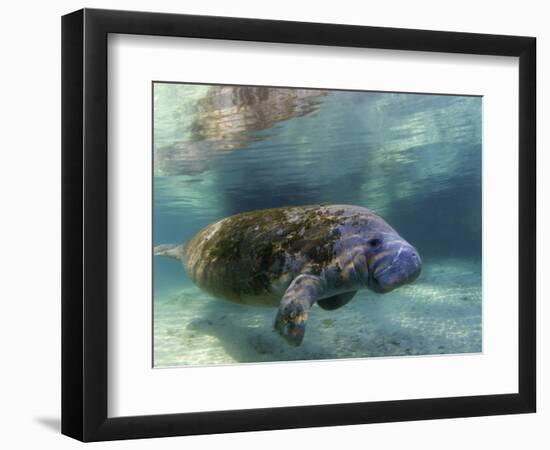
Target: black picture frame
[[84, 224]]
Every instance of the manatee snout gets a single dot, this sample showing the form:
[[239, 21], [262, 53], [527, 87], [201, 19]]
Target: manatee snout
[[398, 265]]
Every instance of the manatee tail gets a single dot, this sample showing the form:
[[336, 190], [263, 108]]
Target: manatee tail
[[176, 251]]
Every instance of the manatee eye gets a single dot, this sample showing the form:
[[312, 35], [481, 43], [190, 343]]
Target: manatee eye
[[373, 243]]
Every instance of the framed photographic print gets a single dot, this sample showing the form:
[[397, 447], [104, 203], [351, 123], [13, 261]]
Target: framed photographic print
[[273, 224]]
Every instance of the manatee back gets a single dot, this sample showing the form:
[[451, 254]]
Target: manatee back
[[241, 258], [252, 257]]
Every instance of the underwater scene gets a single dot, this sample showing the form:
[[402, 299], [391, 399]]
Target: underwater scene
[[306, 224]]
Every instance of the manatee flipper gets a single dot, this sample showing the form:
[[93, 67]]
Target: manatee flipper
[[294, 308], [336, 301], [171, 250]]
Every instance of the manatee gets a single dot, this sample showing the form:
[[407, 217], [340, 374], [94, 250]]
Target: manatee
[[227, 116], [294, 257], [226, 119]]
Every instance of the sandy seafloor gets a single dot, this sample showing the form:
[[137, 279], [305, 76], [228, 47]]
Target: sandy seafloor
[[439, 314]]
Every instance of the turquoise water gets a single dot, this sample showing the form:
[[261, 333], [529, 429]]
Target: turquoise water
[[414, 159]]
